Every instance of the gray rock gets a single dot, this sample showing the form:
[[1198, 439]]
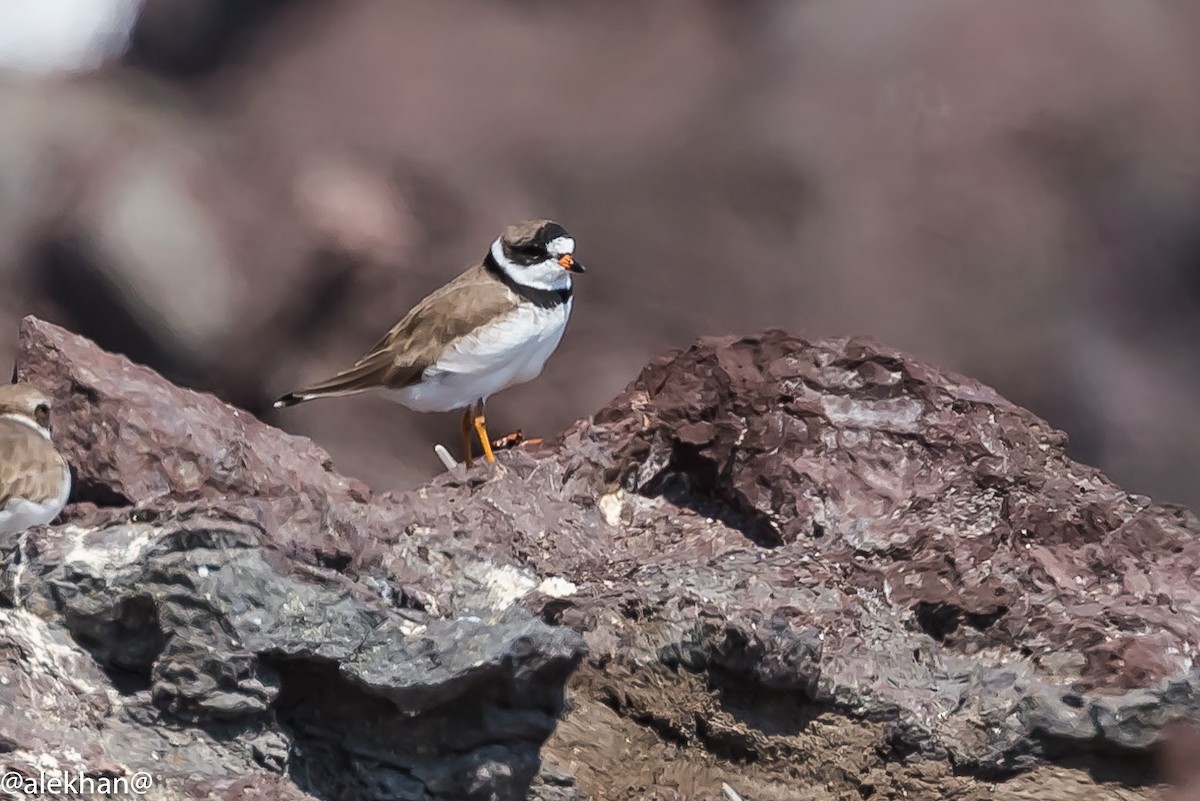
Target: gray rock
[[773, 552]]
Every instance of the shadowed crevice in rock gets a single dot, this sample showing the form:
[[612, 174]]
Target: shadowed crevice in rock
[[693, 483], [99, 495], [945, 600], [941, 620], [1105, 764], [125, 640], [339, 728]]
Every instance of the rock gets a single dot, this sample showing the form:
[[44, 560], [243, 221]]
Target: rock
[[796, 567], [192, 619], [120, 419]]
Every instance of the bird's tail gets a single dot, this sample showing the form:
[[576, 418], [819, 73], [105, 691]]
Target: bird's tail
[[292, 399], [357, 379]]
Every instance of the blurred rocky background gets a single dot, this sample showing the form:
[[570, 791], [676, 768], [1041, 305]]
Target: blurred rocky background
[[244, 194]]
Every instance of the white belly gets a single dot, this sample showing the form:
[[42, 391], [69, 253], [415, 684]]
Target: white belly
[[511, 351], [18, 514]]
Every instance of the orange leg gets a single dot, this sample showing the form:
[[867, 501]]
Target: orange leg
[[466, 436], [481, 430]]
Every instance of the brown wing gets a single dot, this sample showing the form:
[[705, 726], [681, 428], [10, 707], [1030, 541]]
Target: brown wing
[[24, 459], [413, 344]]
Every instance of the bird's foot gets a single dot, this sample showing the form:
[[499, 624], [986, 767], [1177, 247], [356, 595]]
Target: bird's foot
[[513, 440]]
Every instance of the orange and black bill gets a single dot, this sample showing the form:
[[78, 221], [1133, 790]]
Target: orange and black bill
[[568, 263]]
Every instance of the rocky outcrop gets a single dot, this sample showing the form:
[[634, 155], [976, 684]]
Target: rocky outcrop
[[807, 569]]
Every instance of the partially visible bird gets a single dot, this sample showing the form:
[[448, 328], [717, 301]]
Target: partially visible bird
[[35, 480]]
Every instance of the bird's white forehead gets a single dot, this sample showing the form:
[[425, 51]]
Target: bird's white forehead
[[560, 246]]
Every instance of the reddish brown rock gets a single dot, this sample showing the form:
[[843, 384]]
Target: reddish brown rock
[[817, 568], [135, 438]]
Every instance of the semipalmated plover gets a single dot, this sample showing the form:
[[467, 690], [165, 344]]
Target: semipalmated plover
[[492, 327], [34, 478]]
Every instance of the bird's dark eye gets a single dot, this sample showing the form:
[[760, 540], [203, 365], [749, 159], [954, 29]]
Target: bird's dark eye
[[42, 415], [529, 253]]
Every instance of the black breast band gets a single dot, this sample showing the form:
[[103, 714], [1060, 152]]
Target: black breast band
[[542, 298]]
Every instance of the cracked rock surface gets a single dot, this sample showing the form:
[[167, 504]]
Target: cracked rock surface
[[807, 569]]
